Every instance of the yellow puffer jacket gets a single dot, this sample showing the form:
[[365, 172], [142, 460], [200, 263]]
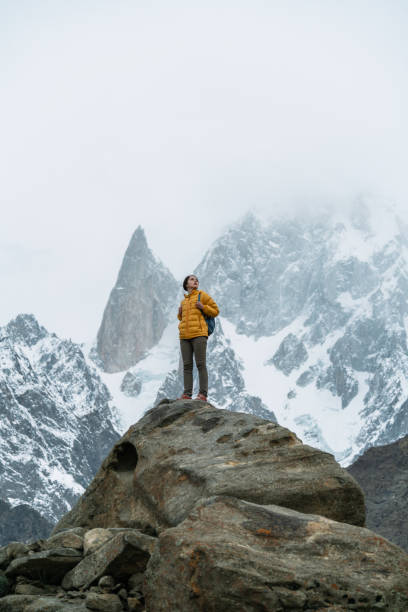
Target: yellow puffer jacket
[[192, 322]]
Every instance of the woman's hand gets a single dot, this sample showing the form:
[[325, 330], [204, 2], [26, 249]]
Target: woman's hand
[[199, 305]]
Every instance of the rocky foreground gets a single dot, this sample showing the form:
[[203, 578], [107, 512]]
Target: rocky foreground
[[201, 509]]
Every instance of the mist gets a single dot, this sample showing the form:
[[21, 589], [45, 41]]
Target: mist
[[181, 118]]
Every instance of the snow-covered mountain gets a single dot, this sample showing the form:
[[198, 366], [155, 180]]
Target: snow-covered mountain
[[312, 324], [57, 419], [322, 301]]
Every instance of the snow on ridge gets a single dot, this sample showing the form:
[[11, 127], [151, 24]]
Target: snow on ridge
[[67, 480], [160, 359], [311, 412]]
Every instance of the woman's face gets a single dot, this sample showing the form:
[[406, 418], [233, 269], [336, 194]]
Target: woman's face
[[192, 282]]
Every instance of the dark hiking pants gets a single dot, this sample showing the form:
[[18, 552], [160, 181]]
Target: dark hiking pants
[[198, 346]]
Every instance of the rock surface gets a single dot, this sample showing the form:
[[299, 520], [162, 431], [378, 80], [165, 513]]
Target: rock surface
[[68, 539], [123, 555], [103, 602], [16, 603], [50, 565], [94, 538], [382, 473], [232, 555], [181, 451], [207, 481]]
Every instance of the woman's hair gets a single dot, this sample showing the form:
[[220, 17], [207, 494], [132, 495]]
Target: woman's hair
[[185, 281]]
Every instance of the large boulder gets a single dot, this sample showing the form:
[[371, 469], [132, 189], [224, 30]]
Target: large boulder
[[181, 451], [233, 555]]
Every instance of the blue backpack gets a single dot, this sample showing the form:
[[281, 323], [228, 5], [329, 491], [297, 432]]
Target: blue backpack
[[209, 320]]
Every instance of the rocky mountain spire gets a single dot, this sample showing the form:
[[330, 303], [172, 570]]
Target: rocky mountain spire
[[138, 308]]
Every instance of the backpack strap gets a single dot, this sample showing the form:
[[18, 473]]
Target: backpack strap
[[202, 311]]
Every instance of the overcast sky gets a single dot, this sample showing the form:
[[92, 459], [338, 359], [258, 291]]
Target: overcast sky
[[181, 116]]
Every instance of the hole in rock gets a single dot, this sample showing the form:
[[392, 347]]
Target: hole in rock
[[125, 459]]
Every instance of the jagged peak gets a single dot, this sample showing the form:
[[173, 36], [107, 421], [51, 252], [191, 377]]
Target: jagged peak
[[249, 220], [25, 328], [138, 242]]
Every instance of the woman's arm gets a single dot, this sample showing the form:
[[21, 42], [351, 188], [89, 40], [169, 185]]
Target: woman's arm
[[179, 314], [210, 308]]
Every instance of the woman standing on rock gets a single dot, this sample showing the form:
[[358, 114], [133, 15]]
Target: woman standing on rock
[[194, 335]]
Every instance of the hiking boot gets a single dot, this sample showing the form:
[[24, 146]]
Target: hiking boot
[[202, 397], [185, 396]]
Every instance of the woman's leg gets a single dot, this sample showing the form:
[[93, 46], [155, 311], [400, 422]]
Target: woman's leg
[[200, 353], [186, 348]]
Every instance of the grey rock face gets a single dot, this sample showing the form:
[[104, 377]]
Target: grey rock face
[[123, 555], [32, 603], [138, 308], [58, 423], [16, 603], [131, 385], [49, 565], [226, 386], [261, 276], [107, 602], [183, 450], [290, 354], [238, 556], [65, 539]]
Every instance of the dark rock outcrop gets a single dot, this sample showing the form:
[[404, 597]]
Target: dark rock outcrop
[[181, 451], [22, 523], [382, 473]]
